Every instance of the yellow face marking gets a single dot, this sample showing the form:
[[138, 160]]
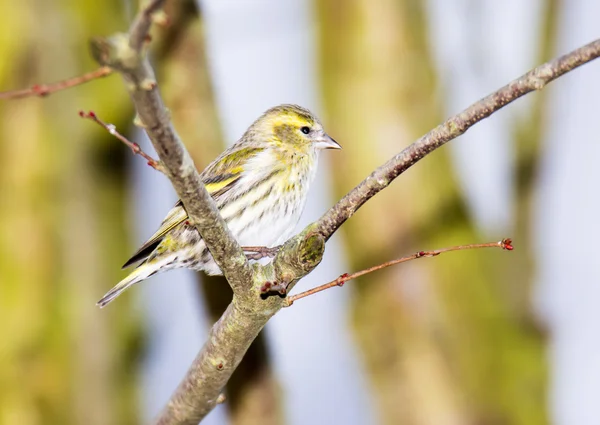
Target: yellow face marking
[[291, 119]]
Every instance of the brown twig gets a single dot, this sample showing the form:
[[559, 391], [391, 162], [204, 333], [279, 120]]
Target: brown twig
[[43, 90], [342, 279], [135, 148]]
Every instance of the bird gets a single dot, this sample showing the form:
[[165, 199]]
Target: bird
[[260, 186]]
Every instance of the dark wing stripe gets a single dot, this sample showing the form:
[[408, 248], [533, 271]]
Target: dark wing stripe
[[142, 254], [220, 178], [176, 216], [256, 202], [254, 187]]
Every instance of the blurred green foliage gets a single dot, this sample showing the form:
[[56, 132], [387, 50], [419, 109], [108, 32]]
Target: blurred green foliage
[[449, 340], [62, 225]]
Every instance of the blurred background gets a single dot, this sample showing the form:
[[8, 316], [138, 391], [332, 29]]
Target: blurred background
[[479, 337]]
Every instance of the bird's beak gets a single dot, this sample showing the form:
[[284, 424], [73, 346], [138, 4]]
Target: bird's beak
[[326, 142]]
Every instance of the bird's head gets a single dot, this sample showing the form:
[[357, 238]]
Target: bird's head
[[291, 126]]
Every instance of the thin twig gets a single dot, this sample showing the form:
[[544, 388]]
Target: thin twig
[[342, 279], [43, 90], [135, 148]]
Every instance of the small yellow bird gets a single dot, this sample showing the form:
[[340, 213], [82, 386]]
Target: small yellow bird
[[260, 186]]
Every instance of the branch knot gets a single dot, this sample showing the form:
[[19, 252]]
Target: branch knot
[[115, 52]]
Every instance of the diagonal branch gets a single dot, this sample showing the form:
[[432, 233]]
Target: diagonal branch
[[135, 148], [536, 79], [505, 244], [43, 90], [230, 337], [125, 54]]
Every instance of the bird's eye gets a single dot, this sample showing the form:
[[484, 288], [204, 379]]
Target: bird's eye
[[305, 130]]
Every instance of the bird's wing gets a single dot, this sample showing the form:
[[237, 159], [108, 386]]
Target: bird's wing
[[222, 174], [176, 216], [219, 177]]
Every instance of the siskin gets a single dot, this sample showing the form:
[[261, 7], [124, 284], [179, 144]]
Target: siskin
[[260, 186]]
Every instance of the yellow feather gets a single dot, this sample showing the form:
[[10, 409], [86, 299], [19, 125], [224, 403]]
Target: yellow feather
[[214, 188], [177, 216]]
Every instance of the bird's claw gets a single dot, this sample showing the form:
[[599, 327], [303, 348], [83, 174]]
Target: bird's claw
[[273, 288], [258, 252]]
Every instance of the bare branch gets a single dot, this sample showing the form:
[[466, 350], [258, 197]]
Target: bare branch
[[535, 79], [125, 54], [230, 337], [135, 148], [505, 244], [43, 90], [202, 387], [140, 28]]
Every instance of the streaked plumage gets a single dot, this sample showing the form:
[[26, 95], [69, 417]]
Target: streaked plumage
[[260, 186]]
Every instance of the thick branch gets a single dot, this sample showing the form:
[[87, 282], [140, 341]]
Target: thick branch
[[125, 53], [535, 79], [205, 380], [231, 336]]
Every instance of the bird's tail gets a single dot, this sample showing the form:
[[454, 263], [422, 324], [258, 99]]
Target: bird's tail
[[143, 271]]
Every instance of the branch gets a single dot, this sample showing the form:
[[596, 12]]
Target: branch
[[125, 54], [535, 79], [139, 32], [230, 337], [135, 148], [43, 90], [505, 244]]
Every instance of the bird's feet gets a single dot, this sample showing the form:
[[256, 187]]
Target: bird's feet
[[258, 252], [273, 288]]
